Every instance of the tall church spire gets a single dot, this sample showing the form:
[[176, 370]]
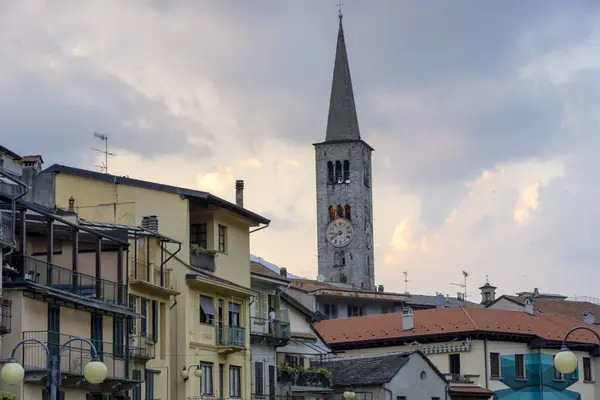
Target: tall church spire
[[342, 122]]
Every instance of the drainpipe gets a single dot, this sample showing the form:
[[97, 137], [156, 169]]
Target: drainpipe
[[485, 363], [390, 392]]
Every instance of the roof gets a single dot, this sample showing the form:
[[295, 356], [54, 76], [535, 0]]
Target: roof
[[303, 335], [32, 158], [469, 390], [428, 300], [259, 269], [313, 316], [371, 370], [451, 321], [184, 192], [573, 309], [10, 153], [342, 121]]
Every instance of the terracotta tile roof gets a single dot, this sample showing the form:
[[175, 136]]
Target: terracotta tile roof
[[452, 320], [308, 285], [259, 269], [573, 309], [470, 389], [32, 158], [303, 335]]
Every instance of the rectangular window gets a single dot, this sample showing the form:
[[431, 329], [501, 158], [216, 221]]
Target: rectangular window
[[259, 383], [557, 375], [222, 239], [149, 385], [454, 364], [131, 322], [198, 234], [118, 334], [96, 333], [137, 389], [144, 320], [294, 360], [221, 381], [235, 387], [587, 369], [355, 311], [234, 314], [330, 311], [155, 321], [386, 310], [400, 397], [519, 366], [495, 365], [207, 310], [206, 381]]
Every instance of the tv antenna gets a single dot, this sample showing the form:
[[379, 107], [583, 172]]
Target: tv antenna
[[103, 137], [463, 285], [405, 273]]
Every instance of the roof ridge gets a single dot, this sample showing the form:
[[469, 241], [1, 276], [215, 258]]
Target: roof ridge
[[463, 309]]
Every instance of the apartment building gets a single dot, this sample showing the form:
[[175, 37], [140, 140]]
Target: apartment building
[[210, 319]]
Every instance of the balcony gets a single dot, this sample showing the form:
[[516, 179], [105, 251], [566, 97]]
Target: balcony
[[276, 329], [5, 316], [73, 359], [141, 348], [461, 378], [6, 229], [202, 258], [149, 277], [230, 339], [303, 380], [28, 269]]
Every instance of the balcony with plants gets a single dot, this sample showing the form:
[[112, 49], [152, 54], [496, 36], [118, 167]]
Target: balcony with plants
[[202, 258], [300, 377]]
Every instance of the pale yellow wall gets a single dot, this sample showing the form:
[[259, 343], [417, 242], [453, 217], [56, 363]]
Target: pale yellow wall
[[297, 319], [504, 304]]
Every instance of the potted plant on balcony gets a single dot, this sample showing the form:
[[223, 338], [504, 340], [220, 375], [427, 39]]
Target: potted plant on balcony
[[202, 258], [286, 373]]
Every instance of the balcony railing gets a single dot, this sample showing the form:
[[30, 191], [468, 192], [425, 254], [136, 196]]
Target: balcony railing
[[150, 273], [304, 378], [141, 348], [231, 336], [66, 280], [273, 328], [6, 228], [461, 378], [5, 316], [203, 261], [75, 356]]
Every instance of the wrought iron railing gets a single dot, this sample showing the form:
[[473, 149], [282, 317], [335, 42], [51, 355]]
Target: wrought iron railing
[[231, 336], [67, 280], [149, 272], [141, 347], [6, 228], [75, 355], [274, 328]]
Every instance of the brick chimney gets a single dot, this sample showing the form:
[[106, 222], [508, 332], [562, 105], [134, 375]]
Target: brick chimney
[[239, 192]]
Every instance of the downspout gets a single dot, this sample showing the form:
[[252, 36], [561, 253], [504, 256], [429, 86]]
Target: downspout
[[258, 229], [485, 363], [390, 392]]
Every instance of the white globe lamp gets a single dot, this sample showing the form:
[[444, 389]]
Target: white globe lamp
[[198, 372], [12, 373], [565, 361], [95, 372]]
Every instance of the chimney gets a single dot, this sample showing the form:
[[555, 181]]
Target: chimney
[[71, 204], [239, 193], [153, 223], [380, 288], [529, 306], [145, 222], [408, 319], [536, 292], [283, 272]]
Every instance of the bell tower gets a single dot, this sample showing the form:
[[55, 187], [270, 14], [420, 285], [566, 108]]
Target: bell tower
[[344, 194]]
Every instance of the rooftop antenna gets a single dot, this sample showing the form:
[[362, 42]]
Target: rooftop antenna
[[463, 285], [405, 273], [104, 166]]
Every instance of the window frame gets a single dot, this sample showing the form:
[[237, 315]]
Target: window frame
[[207, 378], [208, 318], [453, 363], [200, 236], [587, 370], [222, 233], [495, 357], [519, 366], [235, 385], [259, 378], [557, 375]]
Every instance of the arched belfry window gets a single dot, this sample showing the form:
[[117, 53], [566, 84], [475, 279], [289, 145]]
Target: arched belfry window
[[336, 259], [342, 258], [340, 211], [338, 172], [346, 171], [347, 211], [331, 212], [330, 173]]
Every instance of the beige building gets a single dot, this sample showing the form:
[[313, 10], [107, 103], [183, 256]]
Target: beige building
[[482, 352], [210, 319]]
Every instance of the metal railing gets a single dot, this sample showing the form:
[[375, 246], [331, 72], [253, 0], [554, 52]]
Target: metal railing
[[149, 272], [305, 378], [274, 328], [141, 347], [67, 280], [75, 356], [461, 378], [6, 229], [5, 316], [231, 336]]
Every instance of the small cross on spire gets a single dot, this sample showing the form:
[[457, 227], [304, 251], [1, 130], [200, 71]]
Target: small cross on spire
[[339, 6]]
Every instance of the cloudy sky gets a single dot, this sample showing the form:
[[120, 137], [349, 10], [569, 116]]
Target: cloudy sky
[[483, 115]]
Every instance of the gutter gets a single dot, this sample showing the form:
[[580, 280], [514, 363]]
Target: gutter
[[258, 229], [390, 392]]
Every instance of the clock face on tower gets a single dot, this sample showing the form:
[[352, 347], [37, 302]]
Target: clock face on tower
[[339, 232]]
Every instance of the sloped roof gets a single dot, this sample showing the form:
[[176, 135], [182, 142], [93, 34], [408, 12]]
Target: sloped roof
[[259, 269], [452, 320], [370, 370], [573, 309]]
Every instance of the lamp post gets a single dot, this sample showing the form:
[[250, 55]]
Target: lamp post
[[565, 361], [185, 372], [349, 395], [94, 372]]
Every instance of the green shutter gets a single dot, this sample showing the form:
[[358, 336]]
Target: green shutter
[[145, 319], [155, 321]]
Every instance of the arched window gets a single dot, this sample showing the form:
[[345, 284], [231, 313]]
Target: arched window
[[336, 259], [331, 212], [347, 171], [330, 173], [342, 258], [338, 172], [347, 210], [340, 211]]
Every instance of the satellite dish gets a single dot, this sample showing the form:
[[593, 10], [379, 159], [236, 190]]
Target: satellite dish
[[589, 318], [320, 278]]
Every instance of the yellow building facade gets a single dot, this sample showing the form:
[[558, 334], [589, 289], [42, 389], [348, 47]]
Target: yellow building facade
[[208, 324]]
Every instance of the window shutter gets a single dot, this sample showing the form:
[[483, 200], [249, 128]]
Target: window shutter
[[155, 321], [145, 319]]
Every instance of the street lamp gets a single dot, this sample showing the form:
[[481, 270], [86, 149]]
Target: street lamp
[[565, 361], [94, 372], [185, 373], [349, 395]]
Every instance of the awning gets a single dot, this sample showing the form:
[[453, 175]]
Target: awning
[[207, 305]]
